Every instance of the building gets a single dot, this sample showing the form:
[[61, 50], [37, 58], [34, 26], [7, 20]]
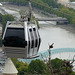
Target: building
[[63, 1], [9, 68], [71, 5]]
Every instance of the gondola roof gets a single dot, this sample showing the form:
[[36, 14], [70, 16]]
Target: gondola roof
[[15, 24]]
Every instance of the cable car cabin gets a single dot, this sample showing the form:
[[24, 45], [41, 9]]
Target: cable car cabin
[[21, 40]]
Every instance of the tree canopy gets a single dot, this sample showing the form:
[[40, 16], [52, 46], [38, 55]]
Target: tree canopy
[[37, 67], [49, 6], [72, 0], [22, 67], [4, 19]]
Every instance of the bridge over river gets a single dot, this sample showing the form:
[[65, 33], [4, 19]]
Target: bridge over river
[[59, 51]]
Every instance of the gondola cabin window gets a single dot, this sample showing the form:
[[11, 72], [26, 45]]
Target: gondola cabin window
[[14, 37], [36, 41], [31, 33]]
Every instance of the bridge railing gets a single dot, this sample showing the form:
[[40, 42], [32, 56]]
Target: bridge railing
[[45, 54]]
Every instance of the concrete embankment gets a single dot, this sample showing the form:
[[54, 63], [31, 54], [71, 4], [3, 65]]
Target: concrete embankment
[[69, 27]]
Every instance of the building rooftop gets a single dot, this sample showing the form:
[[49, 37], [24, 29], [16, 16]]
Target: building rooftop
[[9, 67]]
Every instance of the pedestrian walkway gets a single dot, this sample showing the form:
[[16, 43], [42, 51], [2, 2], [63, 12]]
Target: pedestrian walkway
[[45, 54]]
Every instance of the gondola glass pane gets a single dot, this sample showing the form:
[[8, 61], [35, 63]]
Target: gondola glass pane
[[31, 33], [35, 34], [14, 37], [28, 43]]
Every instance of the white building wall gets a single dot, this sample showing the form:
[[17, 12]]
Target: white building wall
[[65, 1]]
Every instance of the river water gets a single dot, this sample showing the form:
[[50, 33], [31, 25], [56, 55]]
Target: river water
[[54, 34]]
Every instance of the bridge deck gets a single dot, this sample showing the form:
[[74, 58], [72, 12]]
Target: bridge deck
[[46, 54]]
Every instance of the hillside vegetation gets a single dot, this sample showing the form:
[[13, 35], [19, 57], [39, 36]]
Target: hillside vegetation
[[24, 2], [50, 6], [72, 0], [3, 21], [38, 67]]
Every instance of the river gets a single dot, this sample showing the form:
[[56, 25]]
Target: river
[[61, 38]]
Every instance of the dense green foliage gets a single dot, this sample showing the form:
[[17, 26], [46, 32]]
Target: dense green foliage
[[49, 6], [51, 3], [73, 73], [39, 3], [24, 2], [72, 0], [21, 66], [56, 63], [61, 11], [37, 67], [62, 66], [68, 13], [1, 18], [4, 19]]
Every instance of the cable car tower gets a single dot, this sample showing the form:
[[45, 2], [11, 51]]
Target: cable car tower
[[21, 39]]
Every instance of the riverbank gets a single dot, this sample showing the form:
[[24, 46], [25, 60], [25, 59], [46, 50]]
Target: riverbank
[[69, 27], [17, 8]]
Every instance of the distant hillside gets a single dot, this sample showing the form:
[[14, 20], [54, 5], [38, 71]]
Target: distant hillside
[[50, 6], [52, 3], [72, 0]]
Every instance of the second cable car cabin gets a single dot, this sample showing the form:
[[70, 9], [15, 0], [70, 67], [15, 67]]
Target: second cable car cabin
[[21, 40]]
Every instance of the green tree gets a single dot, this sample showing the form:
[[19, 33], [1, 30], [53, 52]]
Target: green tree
[[37, 66], [21, 66], [72, 0], [56, 63], [1, 17], [61, 66], [6, 18], [73, 73]]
